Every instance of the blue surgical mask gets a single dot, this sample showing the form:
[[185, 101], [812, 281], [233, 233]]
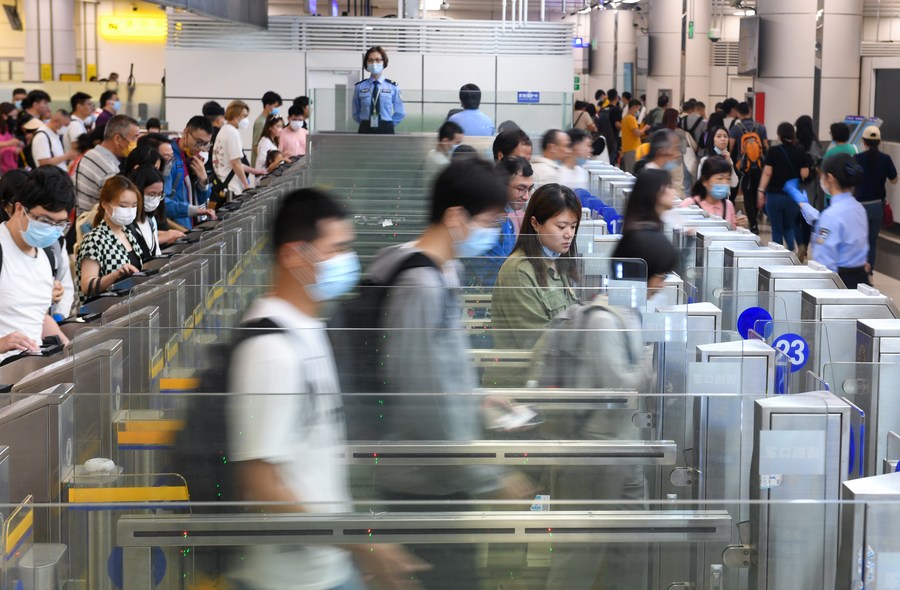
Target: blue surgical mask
[[548, 253], [720, 191], [581, 161], [117, 105], [479, 241], [40, 234], [335, 277], [670, 165], [375, 68], [18, 105], [276, 111]]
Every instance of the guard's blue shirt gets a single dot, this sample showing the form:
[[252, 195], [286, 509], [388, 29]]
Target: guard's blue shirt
[[387, 93], [180, 187], [840, 235], [486, 266], [474, 123]]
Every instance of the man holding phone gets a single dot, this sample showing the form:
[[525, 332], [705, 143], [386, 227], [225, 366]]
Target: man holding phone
[[187, 186]]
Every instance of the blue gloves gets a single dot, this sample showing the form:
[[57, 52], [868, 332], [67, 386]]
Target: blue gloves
[[792, 188]]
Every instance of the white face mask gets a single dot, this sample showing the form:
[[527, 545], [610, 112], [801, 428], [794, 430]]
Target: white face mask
[[123, 215], [151, 203], [244, 123], [296, 125], [88, 120]]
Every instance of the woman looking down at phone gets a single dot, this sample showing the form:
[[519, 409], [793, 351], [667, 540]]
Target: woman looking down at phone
[[110, 252]]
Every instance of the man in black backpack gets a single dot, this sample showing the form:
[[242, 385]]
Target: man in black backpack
[[287, 408], [427, 353]]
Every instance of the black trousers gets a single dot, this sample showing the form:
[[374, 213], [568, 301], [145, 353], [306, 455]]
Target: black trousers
[[750, 185], [384, 128], [854, 277]]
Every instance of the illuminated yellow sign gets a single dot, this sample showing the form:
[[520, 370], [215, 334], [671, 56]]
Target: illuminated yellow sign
[[133, 27]]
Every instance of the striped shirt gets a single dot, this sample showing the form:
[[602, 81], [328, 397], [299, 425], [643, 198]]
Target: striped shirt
[[95, 168]]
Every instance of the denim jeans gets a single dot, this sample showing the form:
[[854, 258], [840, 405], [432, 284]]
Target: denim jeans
[[875, 214], [782, 212]]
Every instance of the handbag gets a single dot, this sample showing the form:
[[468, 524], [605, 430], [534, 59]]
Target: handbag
[[888, 219]]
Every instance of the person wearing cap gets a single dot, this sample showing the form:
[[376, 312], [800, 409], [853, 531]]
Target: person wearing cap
[[871, 193]]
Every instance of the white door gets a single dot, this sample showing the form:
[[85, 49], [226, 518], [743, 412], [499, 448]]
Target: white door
[[332, 93]]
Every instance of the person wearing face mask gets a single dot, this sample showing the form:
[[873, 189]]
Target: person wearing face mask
[[572, 173], [28, 287], [271, 106], [271, 133], [840, 234], [428, 353], [82, 117], [482, 271], [556, 146], [99, 164], [450, 136], [110, 252], [46, 144], [719, 148], [712, 189], [109, 108], [145, 227], [377, 105], [228, 152], [296, 463], [537, 281], [292, 141], [35, 105]]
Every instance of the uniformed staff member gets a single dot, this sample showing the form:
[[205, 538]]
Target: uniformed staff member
[[377, 105], [840, 232]]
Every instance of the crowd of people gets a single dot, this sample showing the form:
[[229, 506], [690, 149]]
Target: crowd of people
[[90, 183]]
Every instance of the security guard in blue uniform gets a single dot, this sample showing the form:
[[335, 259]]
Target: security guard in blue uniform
[[377, 105], [840, 236]]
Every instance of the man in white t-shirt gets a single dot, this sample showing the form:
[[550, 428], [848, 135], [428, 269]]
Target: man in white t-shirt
[[288, 407], [46, 145], [82, 117], [27, 286]]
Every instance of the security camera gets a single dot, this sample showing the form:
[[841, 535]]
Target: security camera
[[715, 34], [445, 5]]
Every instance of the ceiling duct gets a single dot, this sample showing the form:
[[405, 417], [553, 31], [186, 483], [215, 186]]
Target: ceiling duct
[[248, 12]]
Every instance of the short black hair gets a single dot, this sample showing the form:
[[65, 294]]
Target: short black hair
[[470, 96], [599, 94], [295, 111], [19, 91], [663, 101], [199, 123], [154, 123], [48, 187], [743, 109], [786, 132], [449, 130], [634, 103], [106, 97], [660, 140], [577, 135], [612, 95], [729, 104], [300, 213], [153, 140], [302, 102], [470, 183], [626, 96], [271, 98], [142, 155], [515, 165], [550, 136], [376, 49], [33, 97], [213, 110], [507, 141], [840, 131], [845, 170], [79, 98], [463, 151], [9, 186]]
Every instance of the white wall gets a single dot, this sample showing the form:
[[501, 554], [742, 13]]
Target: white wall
[[149, 59]]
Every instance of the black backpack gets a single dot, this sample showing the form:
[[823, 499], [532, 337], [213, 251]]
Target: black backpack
[[27, 155], [359, 343], [201, 448]]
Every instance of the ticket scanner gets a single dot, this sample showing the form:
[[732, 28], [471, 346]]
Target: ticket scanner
[[801, 450], [788, 281], [878, 341], [710, 258], [742, 265]]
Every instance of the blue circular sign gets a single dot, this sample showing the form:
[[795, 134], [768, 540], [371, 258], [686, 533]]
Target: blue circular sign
[[750, 319], [795, 348]]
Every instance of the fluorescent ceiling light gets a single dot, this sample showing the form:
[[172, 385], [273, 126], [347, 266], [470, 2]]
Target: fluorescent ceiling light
[[433, 4], [630, 1]]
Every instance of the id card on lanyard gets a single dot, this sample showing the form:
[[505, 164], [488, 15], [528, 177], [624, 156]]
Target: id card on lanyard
[[374, 120]]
